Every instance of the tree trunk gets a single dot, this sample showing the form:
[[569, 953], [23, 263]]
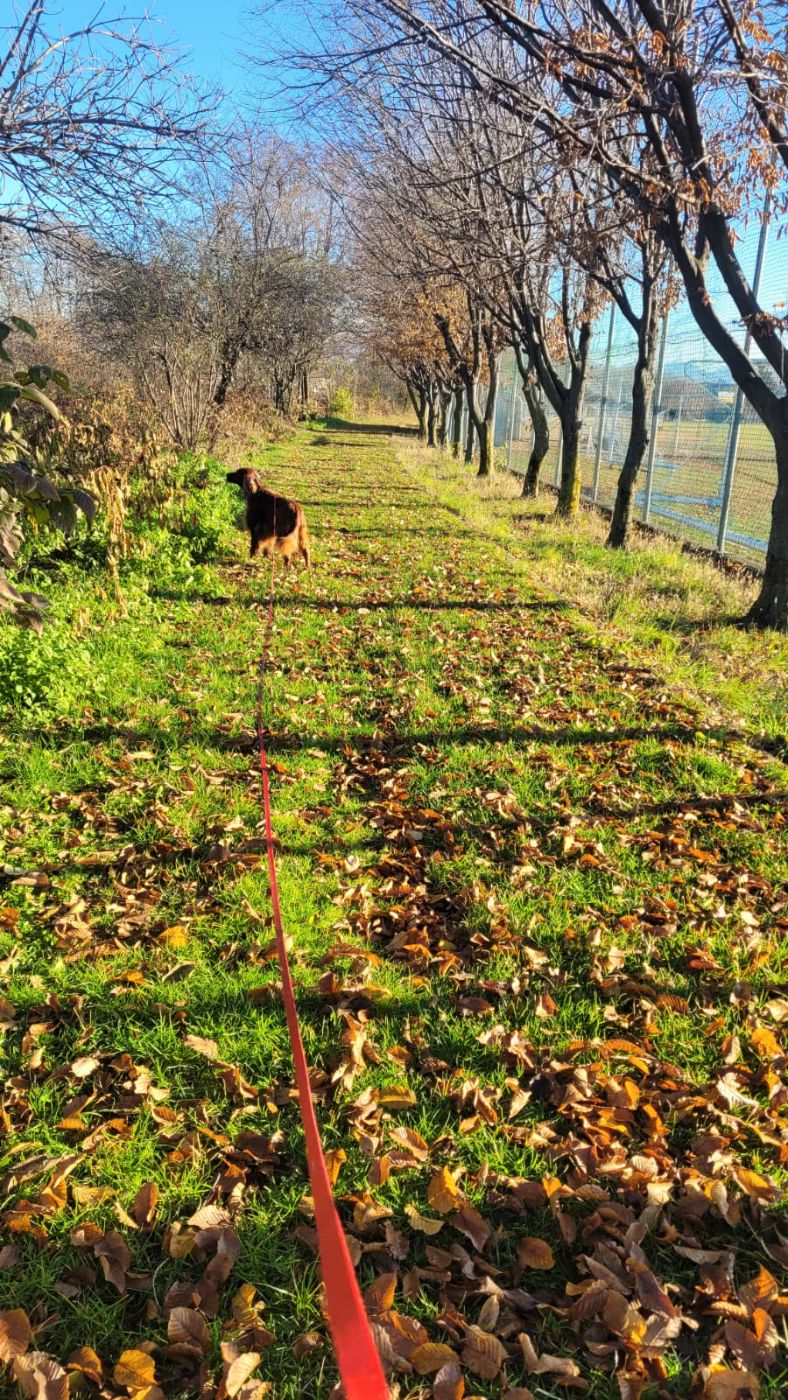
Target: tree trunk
[[431, 420], [571, 426], [456, 435], [770, 608], [541, 442], [486, 428], [470, 431], [569, 492], [639, 436], [486, 448], [443, 419], [418, 400]]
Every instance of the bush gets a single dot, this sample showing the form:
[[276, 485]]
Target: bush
[[43, 673], [340, 405]]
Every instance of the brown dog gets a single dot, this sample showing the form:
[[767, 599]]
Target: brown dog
[[275, 524]]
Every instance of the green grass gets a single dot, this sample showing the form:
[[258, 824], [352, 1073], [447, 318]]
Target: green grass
[[488, 817]]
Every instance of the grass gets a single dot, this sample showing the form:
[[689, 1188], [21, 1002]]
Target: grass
[[679, 610], [513, 856]]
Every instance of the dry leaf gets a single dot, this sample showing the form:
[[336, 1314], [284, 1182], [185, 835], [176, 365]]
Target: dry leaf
[[379, 1297], [40, 1378], [145, 1205], [448, 1384], [443, 1193], [423, 1223], [432, 1356], [14, 1333], [201, 1046], [188, 1327], [534, 1253], [135, 1370]]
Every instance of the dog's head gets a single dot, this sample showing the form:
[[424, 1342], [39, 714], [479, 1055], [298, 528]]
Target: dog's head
[[247, 479]]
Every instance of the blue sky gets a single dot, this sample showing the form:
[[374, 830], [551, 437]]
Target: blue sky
[[211, 35]]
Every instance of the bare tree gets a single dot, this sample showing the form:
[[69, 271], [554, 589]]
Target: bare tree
[[94, 123], [702, 87]]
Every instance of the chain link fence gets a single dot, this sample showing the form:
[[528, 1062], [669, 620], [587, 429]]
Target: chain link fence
[[710, 475]]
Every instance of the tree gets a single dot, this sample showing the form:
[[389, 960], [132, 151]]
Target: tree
[[698, 85], [94, 124], [243, 291]]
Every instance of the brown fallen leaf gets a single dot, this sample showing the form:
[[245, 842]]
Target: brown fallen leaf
[[379, 1297], [307, 1343], [145, 1205], [239, 1371], [14, 1333], [175, 937], [135, 1370], [432, 1356], [40, 1377], [335, 1160], [83, 1068], [534, 1253], [189, 1328], [723, 1384], [85, 1361], [471, 1224], [443, 1193], [449, 1383], [201, 1046], [423, 1223], [483, 1353]]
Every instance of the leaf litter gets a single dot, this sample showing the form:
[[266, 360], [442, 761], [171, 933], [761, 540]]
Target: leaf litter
[[558, 1144]]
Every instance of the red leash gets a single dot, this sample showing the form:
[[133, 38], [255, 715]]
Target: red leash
[[357, 1356]]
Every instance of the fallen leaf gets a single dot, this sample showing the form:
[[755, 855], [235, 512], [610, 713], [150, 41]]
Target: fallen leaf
[[432, 1356], [14, 1333], [145, 1204], [379, 1297], [423, 1223], [443, 1193], [135, 1370], [201, 1046], [41, 1378], [534, 1253], [189, 1328]]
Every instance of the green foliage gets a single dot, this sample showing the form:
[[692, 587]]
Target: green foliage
[[44, 673], [340, 405]]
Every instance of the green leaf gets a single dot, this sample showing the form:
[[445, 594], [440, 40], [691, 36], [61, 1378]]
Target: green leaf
[[29, 391], [25, 326]]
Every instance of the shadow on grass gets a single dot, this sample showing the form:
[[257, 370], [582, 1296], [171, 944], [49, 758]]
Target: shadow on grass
[[371, 429], [285, 600]]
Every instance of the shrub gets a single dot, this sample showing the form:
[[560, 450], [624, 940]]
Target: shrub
[[43, 673], [340, 405]]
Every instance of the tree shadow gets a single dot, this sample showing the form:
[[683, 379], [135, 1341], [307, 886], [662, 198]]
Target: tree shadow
[[371, 429], [293, 600], [688, 626]]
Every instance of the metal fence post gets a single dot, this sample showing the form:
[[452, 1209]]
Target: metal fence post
[[600, 427], [655, 413], [510, 425], [732, 447]]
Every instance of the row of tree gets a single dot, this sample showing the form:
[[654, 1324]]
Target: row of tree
[[512, 167]]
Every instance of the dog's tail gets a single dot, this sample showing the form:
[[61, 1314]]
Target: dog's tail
[[304, 542]]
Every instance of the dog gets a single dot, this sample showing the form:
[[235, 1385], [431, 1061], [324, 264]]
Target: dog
[[275, 525]]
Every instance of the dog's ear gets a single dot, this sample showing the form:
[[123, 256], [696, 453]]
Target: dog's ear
[[252, 482]]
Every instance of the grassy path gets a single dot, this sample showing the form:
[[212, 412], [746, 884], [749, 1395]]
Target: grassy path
[[538, 919]]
